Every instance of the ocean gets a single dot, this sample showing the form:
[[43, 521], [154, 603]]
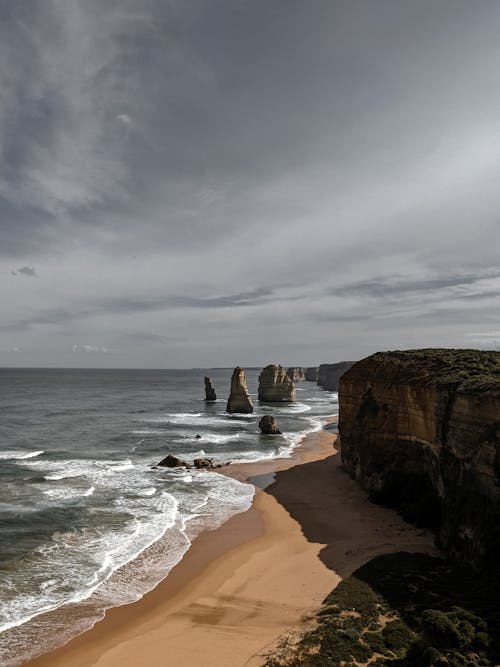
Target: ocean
[[86, 523]]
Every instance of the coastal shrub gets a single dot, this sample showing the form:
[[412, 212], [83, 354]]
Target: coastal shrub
[[398, 637], [406, 610]]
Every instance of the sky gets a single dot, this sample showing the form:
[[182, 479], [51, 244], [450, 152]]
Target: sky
[[198, 183]]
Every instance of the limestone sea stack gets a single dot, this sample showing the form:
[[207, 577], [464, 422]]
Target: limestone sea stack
[[312, 374], [210, 394], [420, 430], [275, 386], [239, 398], [296, 374], [268, 425]]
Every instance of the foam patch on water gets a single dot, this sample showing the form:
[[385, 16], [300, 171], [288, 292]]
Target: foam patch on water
[[19, 455]]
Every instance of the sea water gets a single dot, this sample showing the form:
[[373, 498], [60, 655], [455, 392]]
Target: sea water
[[86, 523]]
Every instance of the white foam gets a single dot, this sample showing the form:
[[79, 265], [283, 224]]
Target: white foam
[[19, 455]]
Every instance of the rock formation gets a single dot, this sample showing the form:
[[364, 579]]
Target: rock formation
[[203, 463], [172, 462], [275, 386], [296, 374], [210, 394], [312, 374], [239, 398], [421, 431], [268, 425], [330, 374]]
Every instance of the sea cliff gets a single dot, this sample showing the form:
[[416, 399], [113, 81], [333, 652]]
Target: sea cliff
[[420, 430], [328, 375]]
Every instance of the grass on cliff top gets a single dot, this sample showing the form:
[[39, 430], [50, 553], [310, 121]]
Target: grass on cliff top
[[404, 610], [465, 370]]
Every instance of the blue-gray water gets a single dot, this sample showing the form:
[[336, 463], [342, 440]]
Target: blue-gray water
[[85, 522]]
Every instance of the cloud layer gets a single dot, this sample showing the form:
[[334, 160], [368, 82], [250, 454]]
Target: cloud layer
[[212, 183]]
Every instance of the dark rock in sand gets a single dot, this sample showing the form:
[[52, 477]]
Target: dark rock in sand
[[420, 430], [203, 463], [172, 462], [268, 425], [239, 398], [210, 394], [275, 386]]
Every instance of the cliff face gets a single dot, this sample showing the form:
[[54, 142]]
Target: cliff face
[[312, 374], [275, 386], [330, 374], [421, 431]]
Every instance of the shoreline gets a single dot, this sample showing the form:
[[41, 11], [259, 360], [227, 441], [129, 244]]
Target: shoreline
[[243, 585]]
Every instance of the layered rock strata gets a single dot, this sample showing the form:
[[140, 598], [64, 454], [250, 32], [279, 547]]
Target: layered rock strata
[[239, 398], [296, 374], [420, 430], [312, 374], [268, 425], [330, 374], [275, 386], [210, 394]]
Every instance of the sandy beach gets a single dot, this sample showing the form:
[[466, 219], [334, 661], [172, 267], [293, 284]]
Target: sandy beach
[[243, 586]]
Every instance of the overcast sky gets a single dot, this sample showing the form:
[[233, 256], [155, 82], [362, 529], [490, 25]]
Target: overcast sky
[[209, 183]]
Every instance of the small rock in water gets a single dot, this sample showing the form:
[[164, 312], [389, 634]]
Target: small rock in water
[[269, 425], [172, 462], [197, 437]]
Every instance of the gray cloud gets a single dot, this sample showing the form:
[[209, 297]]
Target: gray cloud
[[162, 170], [120, 306], [25, 271], [401, 286]]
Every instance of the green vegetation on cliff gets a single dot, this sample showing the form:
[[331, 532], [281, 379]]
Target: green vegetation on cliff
[[464, 370], [404, 610]]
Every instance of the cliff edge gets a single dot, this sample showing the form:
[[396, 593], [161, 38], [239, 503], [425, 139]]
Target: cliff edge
[[420, 430]]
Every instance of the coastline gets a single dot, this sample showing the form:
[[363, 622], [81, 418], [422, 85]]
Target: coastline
[[242, 586]]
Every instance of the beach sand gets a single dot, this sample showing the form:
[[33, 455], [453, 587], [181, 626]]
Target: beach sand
[[243, 586]]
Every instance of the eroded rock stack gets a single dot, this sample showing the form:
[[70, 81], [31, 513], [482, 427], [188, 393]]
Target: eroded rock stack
[[330, 374], [268, 425], [210, 394], [312, 374], [420, 430], [296, 374], [275, 386], [239, 398]]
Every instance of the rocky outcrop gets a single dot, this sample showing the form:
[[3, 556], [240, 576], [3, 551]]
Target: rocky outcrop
[[268, 425], [275, 386], [210, 394], [239, 398], [172, 462], [296, 374], [312, 374], [330, 374], [421, 431]]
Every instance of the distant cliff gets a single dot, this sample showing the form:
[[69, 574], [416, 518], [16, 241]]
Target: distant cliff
[[420, 430], [330, 374]]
